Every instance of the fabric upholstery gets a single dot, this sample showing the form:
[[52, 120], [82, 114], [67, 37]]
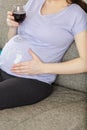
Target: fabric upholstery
[[65, 109]]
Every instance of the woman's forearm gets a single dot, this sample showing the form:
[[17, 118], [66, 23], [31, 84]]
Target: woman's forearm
[[74, 66], [12, 32]]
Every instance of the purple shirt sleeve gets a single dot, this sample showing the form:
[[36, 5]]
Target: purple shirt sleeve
[[80, 23]]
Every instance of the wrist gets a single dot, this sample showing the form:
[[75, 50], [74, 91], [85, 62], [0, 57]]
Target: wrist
[[12, 32], [50, 68], [46, 68]]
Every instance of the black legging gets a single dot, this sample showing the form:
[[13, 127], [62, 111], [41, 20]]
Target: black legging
[[15, 91]]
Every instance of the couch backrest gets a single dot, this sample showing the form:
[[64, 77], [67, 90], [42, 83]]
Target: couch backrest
[[75, 81]]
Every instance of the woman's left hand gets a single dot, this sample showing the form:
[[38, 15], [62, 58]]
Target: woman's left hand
[[32, 67]]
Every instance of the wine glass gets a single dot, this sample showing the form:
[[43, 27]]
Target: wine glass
[[19, 13]]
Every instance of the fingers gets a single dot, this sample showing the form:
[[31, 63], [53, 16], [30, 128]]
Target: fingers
[[9, 13], [21, 68], [12, 23], [10, 17], [10, 20]]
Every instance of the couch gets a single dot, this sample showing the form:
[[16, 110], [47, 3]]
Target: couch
[[64, 109]]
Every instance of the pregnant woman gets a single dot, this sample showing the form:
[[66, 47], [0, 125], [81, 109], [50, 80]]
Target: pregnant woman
[[31, 58]]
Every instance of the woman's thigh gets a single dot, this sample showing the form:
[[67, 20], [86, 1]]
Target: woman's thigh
[[5, 76], [20, 91]]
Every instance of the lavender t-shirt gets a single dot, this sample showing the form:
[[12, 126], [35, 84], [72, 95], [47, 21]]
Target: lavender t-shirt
[[49, 36]]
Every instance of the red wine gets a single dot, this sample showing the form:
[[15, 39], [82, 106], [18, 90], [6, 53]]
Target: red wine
[[19, 16]]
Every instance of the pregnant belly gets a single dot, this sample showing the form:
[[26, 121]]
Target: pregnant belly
[[16, 50]]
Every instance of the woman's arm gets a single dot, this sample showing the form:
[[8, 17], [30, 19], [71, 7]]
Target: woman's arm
[[77, 65], [13, 26], [12, 32]]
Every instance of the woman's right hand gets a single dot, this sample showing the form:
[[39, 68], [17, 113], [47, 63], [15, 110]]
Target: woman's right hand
[[10, 20]]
